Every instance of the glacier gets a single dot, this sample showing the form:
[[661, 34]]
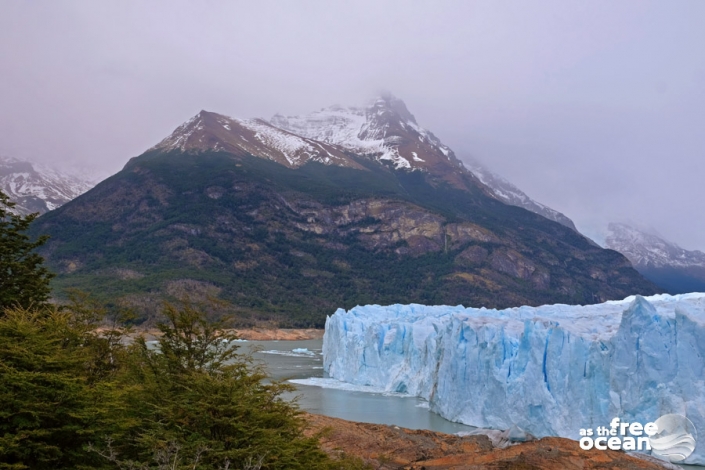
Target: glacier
[[550, 370]]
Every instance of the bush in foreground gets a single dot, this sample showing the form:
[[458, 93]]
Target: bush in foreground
[[74, 397]]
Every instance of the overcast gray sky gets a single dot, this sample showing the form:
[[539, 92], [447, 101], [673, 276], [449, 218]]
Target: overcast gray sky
[[596, 108]]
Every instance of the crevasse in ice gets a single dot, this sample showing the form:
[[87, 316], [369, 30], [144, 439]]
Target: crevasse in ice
[[550, 370]]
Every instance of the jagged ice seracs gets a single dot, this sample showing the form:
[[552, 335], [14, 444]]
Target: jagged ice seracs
[[549, 370]]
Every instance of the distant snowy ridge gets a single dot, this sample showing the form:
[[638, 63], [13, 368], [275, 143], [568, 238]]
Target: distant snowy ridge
[[549, 370], [510, 194], [645, 249], [38, 188], [663, 262]]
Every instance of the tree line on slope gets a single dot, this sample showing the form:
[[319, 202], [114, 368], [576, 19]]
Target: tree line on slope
[[247, 245]]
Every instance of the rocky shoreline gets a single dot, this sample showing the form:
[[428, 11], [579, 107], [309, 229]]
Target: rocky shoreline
[[393, 448], [279, 334], [251, 334]]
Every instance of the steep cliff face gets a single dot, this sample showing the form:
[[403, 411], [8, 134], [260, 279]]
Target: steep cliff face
[[292, 244]]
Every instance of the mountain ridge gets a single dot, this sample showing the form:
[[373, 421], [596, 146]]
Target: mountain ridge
[[208, 130]]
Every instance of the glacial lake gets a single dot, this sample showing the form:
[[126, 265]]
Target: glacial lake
[[298, 360]]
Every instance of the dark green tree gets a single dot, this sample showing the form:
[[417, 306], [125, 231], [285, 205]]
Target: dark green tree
[[24, 280], [199, 397], [47, 409]]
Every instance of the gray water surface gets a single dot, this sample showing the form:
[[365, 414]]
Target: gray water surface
[[408, 412]]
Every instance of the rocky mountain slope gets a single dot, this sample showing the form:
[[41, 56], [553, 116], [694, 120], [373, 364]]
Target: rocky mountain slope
[[665, 263], [287, 228], [38, 188]]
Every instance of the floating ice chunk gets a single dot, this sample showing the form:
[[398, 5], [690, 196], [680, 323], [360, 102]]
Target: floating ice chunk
[[338, 385], [304, 351], [296, 352]]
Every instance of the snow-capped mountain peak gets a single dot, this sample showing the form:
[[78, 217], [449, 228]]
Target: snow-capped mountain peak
[[384, 130], [38, 188]]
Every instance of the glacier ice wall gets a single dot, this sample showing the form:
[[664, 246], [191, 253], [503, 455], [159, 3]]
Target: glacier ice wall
[[550, 370]]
